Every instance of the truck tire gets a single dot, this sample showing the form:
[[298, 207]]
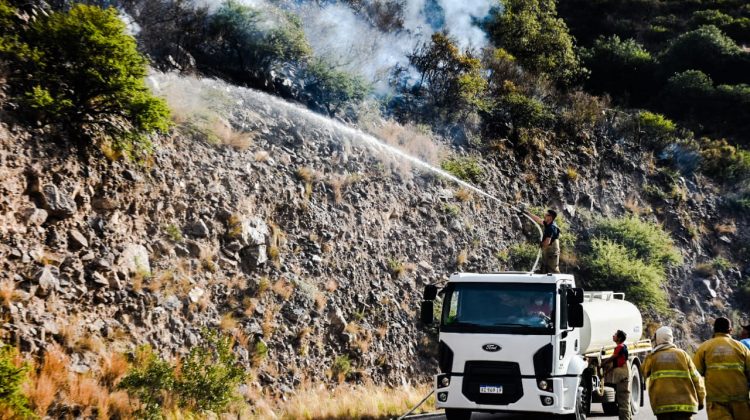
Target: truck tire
[[581, 411], [457, 414], [636, 388]]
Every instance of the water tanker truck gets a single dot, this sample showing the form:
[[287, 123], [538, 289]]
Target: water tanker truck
[[529, 343]]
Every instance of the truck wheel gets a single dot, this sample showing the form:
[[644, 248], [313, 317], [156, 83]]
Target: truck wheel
[[636, 389], [457, 414], [581, 409]]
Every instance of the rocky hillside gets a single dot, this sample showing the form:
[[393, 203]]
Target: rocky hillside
[[295, 236]]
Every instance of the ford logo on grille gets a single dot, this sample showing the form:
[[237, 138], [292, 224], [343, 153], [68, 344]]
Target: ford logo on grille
[[491, 347]]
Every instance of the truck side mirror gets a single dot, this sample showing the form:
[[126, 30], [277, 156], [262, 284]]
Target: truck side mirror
[[430, 292], [426, 312], [574, 299]]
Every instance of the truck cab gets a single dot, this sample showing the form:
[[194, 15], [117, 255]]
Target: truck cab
[[511, 342]]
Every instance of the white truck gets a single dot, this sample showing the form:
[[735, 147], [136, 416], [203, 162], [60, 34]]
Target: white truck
[[529, 343]]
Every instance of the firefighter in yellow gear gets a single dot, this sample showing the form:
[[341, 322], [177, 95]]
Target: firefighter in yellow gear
[[675, 388], [725, 363]]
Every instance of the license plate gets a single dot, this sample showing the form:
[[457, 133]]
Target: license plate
[[490, 389]]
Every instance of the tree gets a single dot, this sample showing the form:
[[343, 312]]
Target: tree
[[450, 78], [84, 73], [531, 31], [333, 88]]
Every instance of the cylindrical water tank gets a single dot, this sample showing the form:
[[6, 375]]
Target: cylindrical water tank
[[602, 316]]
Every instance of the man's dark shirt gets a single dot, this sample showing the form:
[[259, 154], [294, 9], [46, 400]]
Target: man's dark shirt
[[550, 231]]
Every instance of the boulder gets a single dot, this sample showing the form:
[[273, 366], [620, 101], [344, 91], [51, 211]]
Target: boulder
[[57, 203], [134, 259]]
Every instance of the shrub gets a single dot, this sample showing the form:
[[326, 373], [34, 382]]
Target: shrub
[[706, 49], [647, 240], [725, 162], [521, 256], [633, 64], [248, 39], [526, 112], [13, 402], [333, 88], [206, 380], [88, 77], [209, 375], [613, 266], [531, 31], [451, 79], [465, 168], [342, 367], [658, 129], [149, 380]]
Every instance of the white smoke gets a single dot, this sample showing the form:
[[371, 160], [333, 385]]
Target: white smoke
[[350, 42]]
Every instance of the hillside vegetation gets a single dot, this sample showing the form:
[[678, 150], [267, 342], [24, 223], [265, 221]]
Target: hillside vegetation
[[197, 247]]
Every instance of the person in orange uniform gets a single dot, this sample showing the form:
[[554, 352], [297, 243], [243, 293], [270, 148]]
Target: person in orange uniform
[[725, 363], [617, 371], [675, 388]]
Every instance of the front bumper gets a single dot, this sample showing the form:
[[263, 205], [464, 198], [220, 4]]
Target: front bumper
[[531, 401]]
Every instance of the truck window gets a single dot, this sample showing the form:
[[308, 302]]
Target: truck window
[[498, 307]]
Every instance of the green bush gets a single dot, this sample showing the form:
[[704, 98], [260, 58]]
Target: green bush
[[12, 377], [724, 161], [647, 241], [452, 79], [526, 112], [633, 64], [613, 266], [334, 88], [209, 375], [531, 31], [150, 380], [207, 378], [706, 49], [250, 38], [657, 129], [464, 168], [521, 256], [87, 76]]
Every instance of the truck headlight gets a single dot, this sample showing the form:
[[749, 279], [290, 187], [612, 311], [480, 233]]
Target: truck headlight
[[445, 381], [442, 396], [548, 400], [545, 385]]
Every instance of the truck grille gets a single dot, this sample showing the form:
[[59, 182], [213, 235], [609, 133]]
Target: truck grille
[[498, 374]]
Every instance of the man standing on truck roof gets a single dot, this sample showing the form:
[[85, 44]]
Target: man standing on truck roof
[[619, 374], [550, 241], [725, 363], [675, 388]]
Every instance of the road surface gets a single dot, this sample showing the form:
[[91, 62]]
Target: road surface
[[645, 413]]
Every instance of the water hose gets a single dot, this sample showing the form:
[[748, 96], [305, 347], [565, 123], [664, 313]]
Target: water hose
[[417, 406]]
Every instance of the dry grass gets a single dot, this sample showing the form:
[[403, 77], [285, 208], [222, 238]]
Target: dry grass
[[269, 324], [228, 322], [463, 195], [261, 156], [337, 183], [726, 228], [350, 402], [320, 301], [228, 136], [283, 288], [462, 257], [332, 285], [112, 367], [248, 305], [571, 174], [89, 342], [7, 292], [306, 174]]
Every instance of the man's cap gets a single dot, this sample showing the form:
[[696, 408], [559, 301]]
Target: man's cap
[[746, 327]]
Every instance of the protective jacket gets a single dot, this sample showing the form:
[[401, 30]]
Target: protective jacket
[[674, 385], [725, 363]]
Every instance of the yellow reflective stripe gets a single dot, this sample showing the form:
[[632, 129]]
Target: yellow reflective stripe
[[676, 407], [695, 374], [726, 366], [669, 374]]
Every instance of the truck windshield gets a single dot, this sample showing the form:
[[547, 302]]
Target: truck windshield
[[517, 308]]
